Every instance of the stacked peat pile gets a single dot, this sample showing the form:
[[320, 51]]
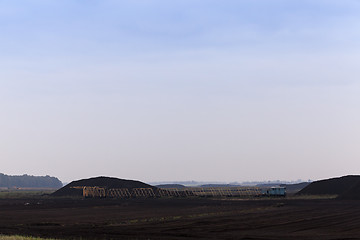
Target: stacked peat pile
[[347, 187], [352, 193], [104, 182]]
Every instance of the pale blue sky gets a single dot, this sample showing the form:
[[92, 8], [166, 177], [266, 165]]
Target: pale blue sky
[[180, 90]]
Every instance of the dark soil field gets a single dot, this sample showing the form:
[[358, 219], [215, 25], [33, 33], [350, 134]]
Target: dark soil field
[[201, 218]]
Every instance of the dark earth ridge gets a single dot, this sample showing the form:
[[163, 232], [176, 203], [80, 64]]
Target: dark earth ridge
[[346, 187], [106, 182]]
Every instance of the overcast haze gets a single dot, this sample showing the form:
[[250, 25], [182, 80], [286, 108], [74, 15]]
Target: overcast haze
[[180, 90]]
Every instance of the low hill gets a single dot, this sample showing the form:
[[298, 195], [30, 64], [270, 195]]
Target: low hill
[[352, 193], [218, 185], [105, 182], [164, 186], [333, 186], [27, 181]]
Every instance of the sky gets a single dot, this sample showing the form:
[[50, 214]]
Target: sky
[[158, 90]]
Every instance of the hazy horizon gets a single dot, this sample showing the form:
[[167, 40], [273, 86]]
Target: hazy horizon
[[180, 90]]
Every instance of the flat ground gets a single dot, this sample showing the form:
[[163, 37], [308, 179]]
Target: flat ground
[[203, 218]]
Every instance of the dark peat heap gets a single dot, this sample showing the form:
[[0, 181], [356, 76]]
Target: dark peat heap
[[346, 187], [104, 182]]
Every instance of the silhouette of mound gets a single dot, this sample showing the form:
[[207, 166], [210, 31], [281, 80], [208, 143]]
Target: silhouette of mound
[[352, 193], [105, 182], [342, 186]]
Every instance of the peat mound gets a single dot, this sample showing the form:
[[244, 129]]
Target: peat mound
[[342, 186], [104, 182], [294, 188], [352, 193]]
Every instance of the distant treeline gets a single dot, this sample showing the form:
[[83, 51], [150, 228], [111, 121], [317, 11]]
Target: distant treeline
[[27, 181]]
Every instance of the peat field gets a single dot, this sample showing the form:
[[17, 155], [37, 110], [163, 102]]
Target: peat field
[[186, 218]]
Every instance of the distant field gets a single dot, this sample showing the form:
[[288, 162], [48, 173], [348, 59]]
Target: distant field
[[22, 238], [26, 193]]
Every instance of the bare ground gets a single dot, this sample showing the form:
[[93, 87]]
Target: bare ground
[[203, 218]]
